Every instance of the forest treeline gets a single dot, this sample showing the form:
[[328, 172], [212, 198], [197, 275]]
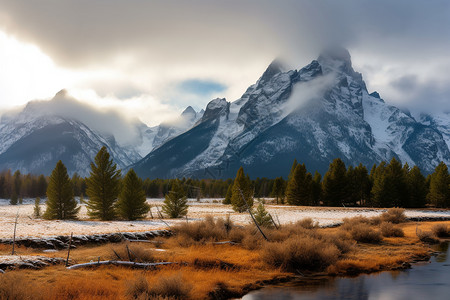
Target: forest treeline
[[386, 185]]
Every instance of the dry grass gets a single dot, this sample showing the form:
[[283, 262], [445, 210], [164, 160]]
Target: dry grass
[[226, 268], [390, 230], [17, 287], [394, 215]]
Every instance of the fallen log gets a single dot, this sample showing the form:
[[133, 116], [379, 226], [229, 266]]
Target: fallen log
[[224, 243], [120, 263]]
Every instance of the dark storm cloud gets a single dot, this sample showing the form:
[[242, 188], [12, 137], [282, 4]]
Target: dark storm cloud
[[175, 36]]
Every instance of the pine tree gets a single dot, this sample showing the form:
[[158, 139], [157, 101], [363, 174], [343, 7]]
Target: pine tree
[[298, 190], [175, 202], [417, 189], [294, 165], [262, 217], [37, 208], [14, 199], [227, 199], [60, 201], [132, 203], [379, 193], [439, 194], [397, 192], [335, 184], [359, 185], [278, 190], [316, 189], [241, 187], [103, 186]]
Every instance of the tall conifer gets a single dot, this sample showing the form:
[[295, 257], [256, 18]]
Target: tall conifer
[[335, 184], [241, 187], [103, 186], [298, 190], [417, 188], [439, 194], [60, 201], [175, 202], [132, 203]]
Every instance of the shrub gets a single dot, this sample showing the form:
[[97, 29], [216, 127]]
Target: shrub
[[138, 288], [202, 231], [350, 223], [342, 240], [390, 230], [300, 253], [171, 287], [262, 217], [365, 234], [307, 223], [394, 215], [427, 237], [441, 230], [134, 253]]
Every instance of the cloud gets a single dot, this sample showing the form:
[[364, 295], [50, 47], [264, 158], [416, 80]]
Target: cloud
[[151, 46], [305, 92]]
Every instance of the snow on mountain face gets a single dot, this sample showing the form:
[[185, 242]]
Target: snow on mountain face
[[316, 114]]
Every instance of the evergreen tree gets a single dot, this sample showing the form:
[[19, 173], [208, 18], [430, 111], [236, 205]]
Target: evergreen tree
[[417, 188], [298, 190], [439, 194], [37, 207], [316, 189], [379, 188], [262, 217], [175, 202], [294, 165], [397, 185], [278, 190], [132, 203], [227, 199], [103, 186], [60, 201], [359, 185], [241, 187], [335, 184]]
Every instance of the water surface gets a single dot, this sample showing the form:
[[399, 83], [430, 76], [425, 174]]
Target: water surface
[[427, 280]]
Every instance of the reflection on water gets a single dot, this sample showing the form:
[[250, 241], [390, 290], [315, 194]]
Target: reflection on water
[[428, 280]]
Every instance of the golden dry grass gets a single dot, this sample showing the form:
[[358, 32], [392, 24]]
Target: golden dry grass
[[208, 266]]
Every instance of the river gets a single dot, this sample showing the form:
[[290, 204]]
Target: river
[[426, 280]]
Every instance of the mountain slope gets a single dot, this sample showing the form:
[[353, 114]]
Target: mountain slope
[[316, 114]]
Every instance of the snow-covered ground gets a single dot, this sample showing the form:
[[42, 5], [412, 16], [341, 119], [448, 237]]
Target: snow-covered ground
[[30, 227]]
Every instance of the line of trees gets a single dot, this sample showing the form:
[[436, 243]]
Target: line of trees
[[387, 185]]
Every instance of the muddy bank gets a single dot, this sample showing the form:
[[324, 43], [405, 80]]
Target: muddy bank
[[62, 242]]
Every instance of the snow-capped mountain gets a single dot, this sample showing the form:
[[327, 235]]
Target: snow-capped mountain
[[315, 114], [33, 140]]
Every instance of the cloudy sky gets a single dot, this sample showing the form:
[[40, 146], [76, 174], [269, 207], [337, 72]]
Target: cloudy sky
[[151, 59]]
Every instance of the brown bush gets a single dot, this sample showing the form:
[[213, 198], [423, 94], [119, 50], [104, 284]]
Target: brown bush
[[307, 223], [172, 287], [134, 253], [427, 237], [441, 230], [350, 223], [394, 215], [138, 288], [365, 234], [390, 230], [17, 287], [203, 231], [342, 240], [300, 253]]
